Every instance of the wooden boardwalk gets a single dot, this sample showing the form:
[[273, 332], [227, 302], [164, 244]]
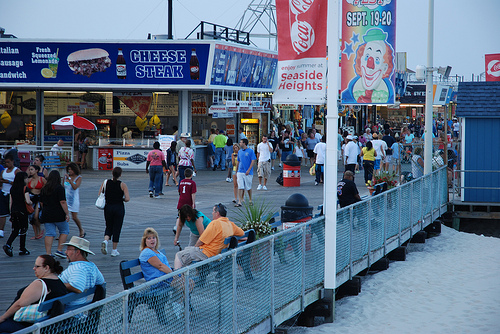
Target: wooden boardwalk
[[141, 212]]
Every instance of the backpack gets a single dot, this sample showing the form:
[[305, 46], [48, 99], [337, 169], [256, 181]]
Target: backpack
[[279, 179]]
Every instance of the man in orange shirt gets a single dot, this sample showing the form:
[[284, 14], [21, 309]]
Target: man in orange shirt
[[211, 241]]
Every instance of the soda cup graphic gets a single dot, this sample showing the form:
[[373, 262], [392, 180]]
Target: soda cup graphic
[[194, 66]]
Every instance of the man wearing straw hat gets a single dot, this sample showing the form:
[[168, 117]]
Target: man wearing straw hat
[[81, 274]]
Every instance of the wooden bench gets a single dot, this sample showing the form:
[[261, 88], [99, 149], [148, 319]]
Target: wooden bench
[[59, 305]]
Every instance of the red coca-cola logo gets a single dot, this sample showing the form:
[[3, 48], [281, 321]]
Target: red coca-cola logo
[[300, 6], [302, 35], [494, 68]]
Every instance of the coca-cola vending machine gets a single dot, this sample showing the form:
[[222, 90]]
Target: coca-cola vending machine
[[105, 159]]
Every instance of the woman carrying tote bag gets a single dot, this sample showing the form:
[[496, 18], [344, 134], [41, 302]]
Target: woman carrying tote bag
[[115, 192]]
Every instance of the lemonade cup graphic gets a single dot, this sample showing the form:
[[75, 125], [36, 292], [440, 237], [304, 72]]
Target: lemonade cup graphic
[[54, 64]]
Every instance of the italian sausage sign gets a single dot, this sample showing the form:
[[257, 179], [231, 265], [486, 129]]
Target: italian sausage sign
[[302, 28]]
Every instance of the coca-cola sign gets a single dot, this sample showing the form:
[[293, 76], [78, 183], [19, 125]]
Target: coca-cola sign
[[302, 36], [302, 51], [492, 64]]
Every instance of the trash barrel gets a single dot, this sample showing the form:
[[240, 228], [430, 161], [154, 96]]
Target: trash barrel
[[25, 161], [296, 210], [291, 171]]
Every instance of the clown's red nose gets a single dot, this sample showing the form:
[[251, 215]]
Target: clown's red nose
[[370, 63]]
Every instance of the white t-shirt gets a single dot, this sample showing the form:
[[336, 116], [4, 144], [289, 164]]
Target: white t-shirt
[[380, 146], [351, 153], [263, 151], [318, 136], [456, 127], [320, 150]]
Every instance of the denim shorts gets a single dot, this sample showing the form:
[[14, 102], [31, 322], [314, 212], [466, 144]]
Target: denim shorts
[[50, 228]]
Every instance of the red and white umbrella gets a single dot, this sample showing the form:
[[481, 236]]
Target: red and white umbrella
[[72, 122]]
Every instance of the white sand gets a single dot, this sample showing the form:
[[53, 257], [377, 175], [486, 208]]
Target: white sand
[[450, 284]]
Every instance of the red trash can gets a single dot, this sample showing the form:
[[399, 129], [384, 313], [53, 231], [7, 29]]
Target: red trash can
[[291, 171]]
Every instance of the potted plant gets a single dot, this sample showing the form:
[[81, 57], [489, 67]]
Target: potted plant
[[256, 216]]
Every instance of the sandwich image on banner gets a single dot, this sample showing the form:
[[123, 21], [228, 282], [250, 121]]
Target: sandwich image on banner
[[302, 27]]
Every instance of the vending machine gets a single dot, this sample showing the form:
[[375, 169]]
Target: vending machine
[[251, 130]]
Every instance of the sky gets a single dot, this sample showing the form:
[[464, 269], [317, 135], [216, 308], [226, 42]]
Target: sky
[[464, 30], [447, 285]]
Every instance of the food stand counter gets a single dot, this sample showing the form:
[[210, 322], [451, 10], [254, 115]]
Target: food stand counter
[[131, 154]]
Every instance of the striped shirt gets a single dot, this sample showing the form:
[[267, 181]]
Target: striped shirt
[[82, 275]]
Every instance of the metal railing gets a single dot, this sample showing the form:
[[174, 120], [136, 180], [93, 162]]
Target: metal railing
[[477, 189], [256, 287]]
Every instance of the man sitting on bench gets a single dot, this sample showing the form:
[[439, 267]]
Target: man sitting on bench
[[81, 274], [211, 242]]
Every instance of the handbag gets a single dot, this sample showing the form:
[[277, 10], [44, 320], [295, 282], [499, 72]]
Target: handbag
[[29, 208], [312, 170], [100, 202], [30, 313]]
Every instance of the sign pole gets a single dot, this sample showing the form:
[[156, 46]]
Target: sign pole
[[331, 165], [429, 92]]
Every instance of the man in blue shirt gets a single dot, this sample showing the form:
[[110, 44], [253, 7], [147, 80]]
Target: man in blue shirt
[[246, 160], [81, 274]]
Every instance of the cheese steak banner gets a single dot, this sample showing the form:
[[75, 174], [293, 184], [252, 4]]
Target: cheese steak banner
[[368, 51], [301, 51]]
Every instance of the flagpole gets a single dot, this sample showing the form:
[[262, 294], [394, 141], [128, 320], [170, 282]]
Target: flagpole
[[331, 165]]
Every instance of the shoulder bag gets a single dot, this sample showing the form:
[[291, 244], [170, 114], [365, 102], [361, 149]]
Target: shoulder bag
[[100, 202], [30, 313], [29, 208]]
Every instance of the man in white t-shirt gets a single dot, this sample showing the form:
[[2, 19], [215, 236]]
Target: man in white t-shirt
[[57, 148], [320, 155], [380, 147], [264, 150], [350, 154]]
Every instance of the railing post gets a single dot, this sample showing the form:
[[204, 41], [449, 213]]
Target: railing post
[[350, 242], [125, 313], [235, 265], [399, 215], [422, 201], [369, 231], [271, 268], [303, 284], [411, 208], [385, 220], [186, 301]]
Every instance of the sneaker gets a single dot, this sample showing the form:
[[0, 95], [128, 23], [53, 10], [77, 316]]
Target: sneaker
[[264, 188], [150, 194], [157, 196], [104, 247], [161, 194], [8, 250], [114, 253], [259, 187], [357, 172], [272, 168], [227, 179], [316, 183], [230, 180], [24, 252], [281, 165], [60, 254]]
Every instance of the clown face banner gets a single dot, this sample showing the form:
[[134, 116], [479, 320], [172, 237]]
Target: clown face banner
[[301, 51], [368, 51]]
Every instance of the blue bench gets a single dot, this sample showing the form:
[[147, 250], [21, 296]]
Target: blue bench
[[59, 305], [154, 299], [52, 161], [242, 259]]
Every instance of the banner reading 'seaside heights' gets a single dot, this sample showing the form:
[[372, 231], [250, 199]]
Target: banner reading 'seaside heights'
[[368, 51], [302, 30]]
